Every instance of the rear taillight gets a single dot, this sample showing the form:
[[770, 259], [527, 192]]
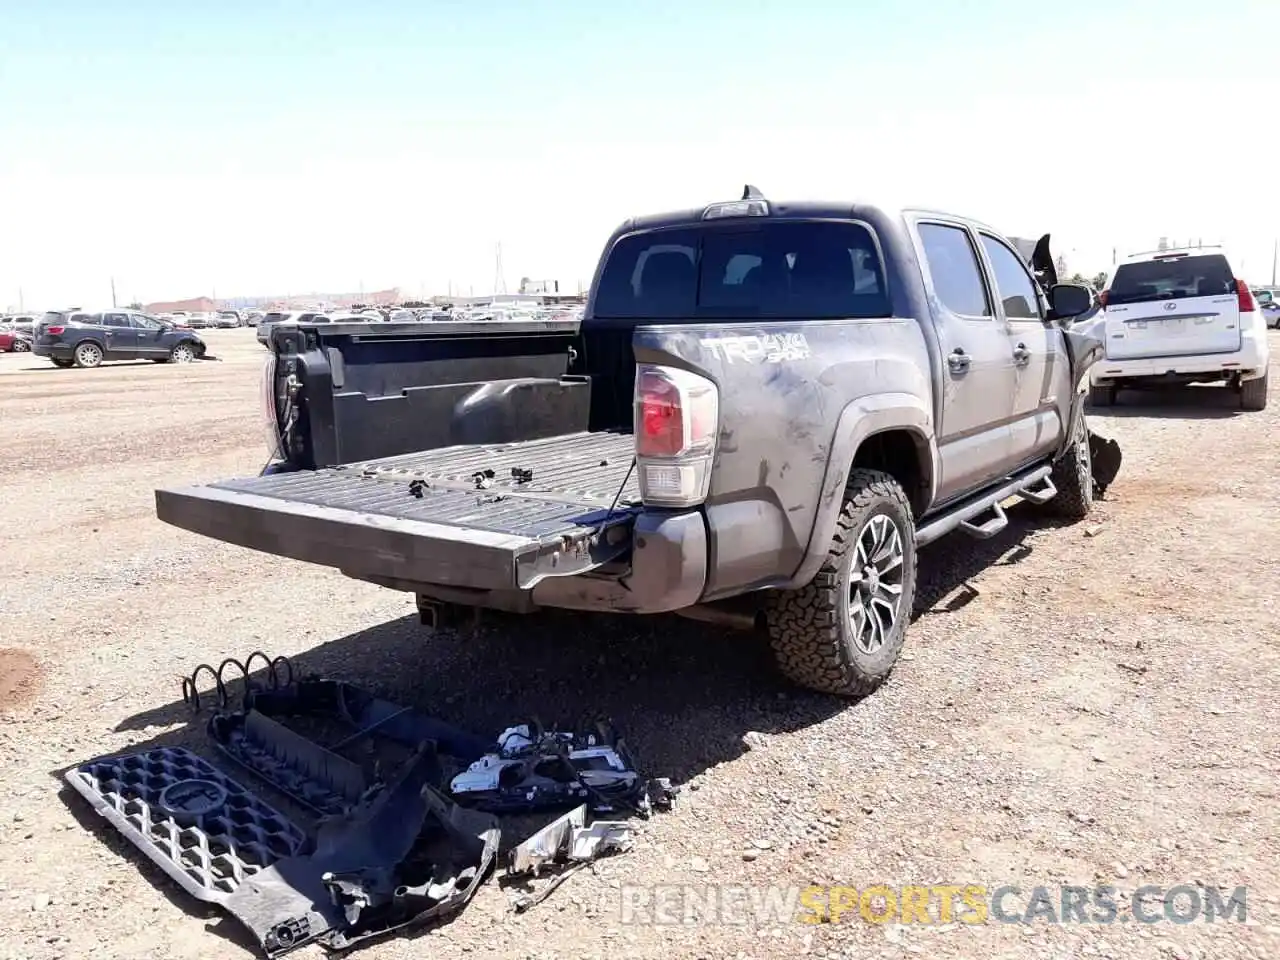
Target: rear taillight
[[1245, 296], [677, 414], [1102, 298], [56, 331]]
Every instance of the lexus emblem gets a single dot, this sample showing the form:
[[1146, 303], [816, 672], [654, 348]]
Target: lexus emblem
[[1171, 306]]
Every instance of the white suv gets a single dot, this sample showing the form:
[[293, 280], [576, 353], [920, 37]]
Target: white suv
[[1179, 317]]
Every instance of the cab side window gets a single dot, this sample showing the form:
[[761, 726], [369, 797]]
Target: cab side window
[[1014, 286]]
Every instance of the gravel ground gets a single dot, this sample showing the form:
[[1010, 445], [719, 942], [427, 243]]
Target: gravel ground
[[1079, 704]]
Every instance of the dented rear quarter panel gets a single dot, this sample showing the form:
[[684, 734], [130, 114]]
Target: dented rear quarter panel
[[796, 399]]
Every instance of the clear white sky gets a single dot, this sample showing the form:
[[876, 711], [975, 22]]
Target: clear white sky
[[285, 147]]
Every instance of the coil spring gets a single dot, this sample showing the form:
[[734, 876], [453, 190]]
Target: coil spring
[[279, 673]]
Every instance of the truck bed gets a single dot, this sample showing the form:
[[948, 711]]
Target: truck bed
[[437, 516]]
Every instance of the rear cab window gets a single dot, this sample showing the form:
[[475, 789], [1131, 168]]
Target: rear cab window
[[779, 269], [1172, 278]]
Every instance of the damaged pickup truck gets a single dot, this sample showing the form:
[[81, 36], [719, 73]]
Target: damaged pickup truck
[[763, 413]]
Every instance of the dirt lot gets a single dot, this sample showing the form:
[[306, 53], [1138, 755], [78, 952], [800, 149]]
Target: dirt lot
[[1081, 704]]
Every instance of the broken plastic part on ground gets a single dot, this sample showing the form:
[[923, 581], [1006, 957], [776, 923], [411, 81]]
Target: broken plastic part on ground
[[534, 769], [384, 853], [1104, 458], [569, 839]]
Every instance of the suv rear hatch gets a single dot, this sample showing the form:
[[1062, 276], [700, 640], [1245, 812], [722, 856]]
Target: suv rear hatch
[[1177, 304]]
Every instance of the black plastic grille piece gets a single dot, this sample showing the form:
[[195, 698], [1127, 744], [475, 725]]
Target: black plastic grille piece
[[197, 824]]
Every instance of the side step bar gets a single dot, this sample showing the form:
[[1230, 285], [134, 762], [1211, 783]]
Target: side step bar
[[1034, 486]]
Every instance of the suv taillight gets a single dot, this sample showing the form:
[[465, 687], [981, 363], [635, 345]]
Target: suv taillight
[[56, 331], [677, 414], [1245, 296]]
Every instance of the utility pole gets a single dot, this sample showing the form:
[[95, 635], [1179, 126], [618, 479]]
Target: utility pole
[[113, 291], [1275, 248], [22, 306], [499, 277]]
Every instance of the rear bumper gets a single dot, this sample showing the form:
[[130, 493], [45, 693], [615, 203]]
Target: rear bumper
[[56, 351], [1249, 362]]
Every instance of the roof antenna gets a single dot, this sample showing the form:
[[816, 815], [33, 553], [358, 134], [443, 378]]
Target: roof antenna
[[751, 193]]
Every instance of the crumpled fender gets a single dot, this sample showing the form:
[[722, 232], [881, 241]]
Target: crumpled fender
[[1084, 349]]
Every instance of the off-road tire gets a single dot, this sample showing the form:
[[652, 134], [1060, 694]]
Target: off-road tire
[[1073, 476], [1253, 394], [88, 355], [811, 630], [1102, 395]]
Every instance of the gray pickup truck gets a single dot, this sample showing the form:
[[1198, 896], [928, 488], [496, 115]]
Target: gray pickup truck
[[764, 411]]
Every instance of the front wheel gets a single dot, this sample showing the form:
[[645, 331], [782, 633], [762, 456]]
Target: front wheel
[[843, 632], [88, 354], [182, 353], [1073, 476]]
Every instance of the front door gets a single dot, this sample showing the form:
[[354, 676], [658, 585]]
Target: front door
[[1040, 374], [974, 443], [151, 337], [120, 339]]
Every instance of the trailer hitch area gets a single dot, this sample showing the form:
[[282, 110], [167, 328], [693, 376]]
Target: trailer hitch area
[[438, 615]]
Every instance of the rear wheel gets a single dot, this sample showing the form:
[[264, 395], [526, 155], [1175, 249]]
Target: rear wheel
[[1102, 395], [88, 354], [1253, 394], [21, 346], [842, 633]]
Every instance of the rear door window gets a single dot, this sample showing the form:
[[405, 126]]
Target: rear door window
[[1172, 278], [115, 320], [954, 270], [777, 270]]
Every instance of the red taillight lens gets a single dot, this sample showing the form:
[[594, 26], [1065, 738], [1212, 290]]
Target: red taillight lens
[[54, 330], [1245, 296], [661, 418]]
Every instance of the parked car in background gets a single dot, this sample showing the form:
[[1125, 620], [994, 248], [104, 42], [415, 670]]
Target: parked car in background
[[86, 339], [252, 318], [402, 316], [1180, 317], [274, 319], [199, 321], [14, 339], [1270, 313], [25, 322], [228, 319]]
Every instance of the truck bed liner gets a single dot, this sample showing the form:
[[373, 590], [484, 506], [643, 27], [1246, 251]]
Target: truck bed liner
[[367, 520]]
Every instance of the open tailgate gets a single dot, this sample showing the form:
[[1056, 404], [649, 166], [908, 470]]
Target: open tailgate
[[434, 517]]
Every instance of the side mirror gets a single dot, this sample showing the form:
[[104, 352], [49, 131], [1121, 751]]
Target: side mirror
[[1070, 300]]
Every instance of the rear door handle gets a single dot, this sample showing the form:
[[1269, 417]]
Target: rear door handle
[[1021, 355], [958, 361]]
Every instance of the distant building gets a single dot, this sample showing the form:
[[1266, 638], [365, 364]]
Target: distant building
[[194, 305], [535, 287]]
